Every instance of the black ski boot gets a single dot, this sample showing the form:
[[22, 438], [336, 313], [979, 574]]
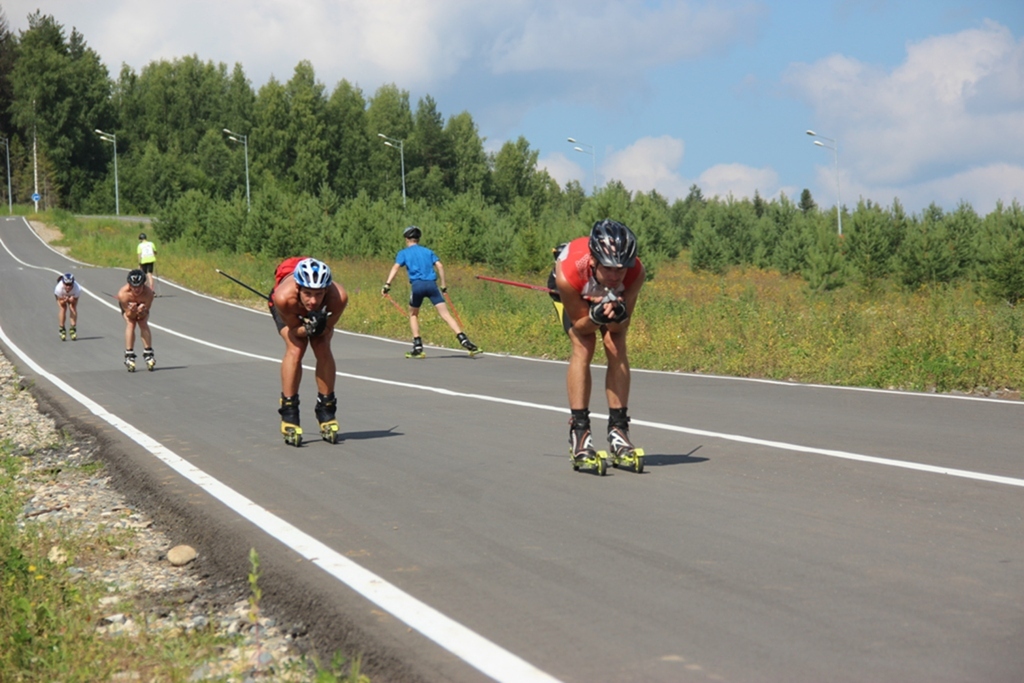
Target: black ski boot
[[581, 445], [623, 452], [290, 428], [147, 355], [326, 407], [64, 334], [73, 333], [129, 360], [417, 349], [468, 345]]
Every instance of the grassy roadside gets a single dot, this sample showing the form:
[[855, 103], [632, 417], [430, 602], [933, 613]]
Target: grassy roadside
[[747, 322]]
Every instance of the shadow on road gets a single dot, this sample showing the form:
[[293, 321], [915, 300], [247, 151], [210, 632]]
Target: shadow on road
[[659, 460], [370, 434]]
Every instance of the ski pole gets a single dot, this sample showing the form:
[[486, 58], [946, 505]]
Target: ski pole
[[516, 284], [239, 282], [395, 304], [452, 308]]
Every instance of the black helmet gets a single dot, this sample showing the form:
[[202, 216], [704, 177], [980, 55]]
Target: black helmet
[[136, 277], [142, 235], [412, 233], [67, 279], [612, 244]]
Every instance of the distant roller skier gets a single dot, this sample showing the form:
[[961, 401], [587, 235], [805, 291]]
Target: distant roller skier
[[67, 293]]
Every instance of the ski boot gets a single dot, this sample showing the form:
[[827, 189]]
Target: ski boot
[[73, 334], [468, 345], [417, 349], [129, 360], [326, 406], [147, 355], [581, 447], [624, 454], [290, 428], [63, 334]]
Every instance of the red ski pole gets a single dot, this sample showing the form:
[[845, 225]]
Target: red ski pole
[[452, 308], [516, 284], [395, 304]]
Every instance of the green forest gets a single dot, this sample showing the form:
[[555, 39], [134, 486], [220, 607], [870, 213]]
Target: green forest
[[299, 167]]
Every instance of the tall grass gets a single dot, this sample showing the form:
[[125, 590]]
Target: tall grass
[[746, 322]]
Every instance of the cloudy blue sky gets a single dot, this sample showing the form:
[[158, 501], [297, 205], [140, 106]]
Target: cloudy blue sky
[[925, 98]]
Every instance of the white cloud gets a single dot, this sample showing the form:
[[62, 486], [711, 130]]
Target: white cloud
[[956, 103], [648, 164], [562, 169], [739, 180]]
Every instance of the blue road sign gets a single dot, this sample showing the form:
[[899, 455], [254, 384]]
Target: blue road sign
[[36, 197]]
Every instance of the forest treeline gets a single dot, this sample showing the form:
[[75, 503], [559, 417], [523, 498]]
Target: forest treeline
[[297, 167]]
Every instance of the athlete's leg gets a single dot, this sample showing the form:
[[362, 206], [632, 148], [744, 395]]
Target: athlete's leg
[[144, 332], [617, 379], [446, 315], [578, 377], [291, 364], [326, 368]]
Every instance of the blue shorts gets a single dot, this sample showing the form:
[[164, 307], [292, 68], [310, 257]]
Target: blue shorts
[[425, 289]]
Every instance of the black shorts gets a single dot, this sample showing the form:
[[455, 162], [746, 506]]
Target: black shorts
[[557, 300], [278, 320], [147, 267]]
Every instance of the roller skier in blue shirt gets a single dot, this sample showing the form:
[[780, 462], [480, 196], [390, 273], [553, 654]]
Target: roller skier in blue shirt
[[421, 264]]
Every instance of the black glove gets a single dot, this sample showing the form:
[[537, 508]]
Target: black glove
[[444, 290], [618, 313], [315, 323], [386, 288]]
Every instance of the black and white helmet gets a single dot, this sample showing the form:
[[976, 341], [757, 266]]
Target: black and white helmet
[[67, 279], [412, 233], [612, 244], [136, 278]]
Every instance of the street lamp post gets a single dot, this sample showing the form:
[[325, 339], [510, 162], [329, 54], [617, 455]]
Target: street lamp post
[[111, 137], [390, 142], [593, 158], [10, 200], [835, 151], [244, 139]]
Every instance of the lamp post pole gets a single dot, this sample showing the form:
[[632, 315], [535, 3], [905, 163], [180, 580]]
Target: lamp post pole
[[10, 200], [390, 142], [244, 139], [111, 137], [593, 159], [835, 151]]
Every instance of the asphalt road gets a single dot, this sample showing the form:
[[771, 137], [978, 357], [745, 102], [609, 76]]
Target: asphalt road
[[780, 532]]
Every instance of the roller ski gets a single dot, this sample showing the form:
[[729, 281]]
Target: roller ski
[[326, 407], [624, 455], [147, 355], [473, 349], [581, 448], [129, 360], [417, 349], [64, 334], [73, 333], [289, 411]]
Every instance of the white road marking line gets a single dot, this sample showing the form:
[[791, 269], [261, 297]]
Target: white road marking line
[[467, 645]]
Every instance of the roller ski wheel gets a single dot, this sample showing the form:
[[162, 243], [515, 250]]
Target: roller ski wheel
[[289, 412], [129, 362], [329, 431], [630, 459], [416, 354], [63, 334], [586, 462], [73, 333], [292, 434], [150, 360], [475, 352]]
